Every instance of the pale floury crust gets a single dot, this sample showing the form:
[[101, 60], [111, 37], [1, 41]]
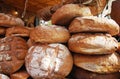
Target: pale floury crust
[[88, 43], [2, 76], [94, 24], [49, 61], [100, 64]]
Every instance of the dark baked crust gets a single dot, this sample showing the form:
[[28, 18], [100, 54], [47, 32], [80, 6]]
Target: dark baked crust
[[52, 61], [50, 34], [12, 53], [94, 24], [87, 43], [80, 73], [9, 21]]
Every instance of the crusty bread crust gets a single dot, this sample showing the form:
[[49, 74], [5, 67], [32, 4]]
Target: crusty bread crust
[[87, 43], [94, 24]]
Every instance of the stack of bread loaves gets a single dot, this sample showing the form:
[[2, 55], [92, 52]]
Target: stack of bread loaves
[[49, 59], [92, 42], [12, 49]]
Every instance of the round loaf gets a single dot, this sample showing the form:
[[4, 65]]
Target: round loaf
[[80, 73], [18, 31], [2, 76], [65, 14], [86, 43], [94, 24], [50, 34], [9, 20], [52, 61], [12, 54], [20, 75], [99, 64]]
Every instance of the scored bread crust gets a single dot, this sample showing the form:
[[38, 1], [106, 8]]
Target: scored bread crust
[[12, 54], [52, 61], [100, 64], [87, 43], [94, 24]]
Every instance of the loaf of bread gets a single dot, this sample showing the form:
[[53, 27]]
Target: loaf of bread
[[12, 54], [80, 73], [50, 34], [94, 24], [65, 14], [10, 21], [18, 31], [100, 64], [2, 76], [52, 61], [87, 43], [19, 75]]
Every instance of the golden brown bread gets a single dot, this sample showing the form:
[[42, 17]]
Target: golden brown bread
[[65, 14], [94, 24], [30, 42], [3, 76], [19, 75], [12, 53], [9, 20], [52, 61], [2, 30], [50, 34], [87, 43], [99, 64], [80, 73], [18, 31]]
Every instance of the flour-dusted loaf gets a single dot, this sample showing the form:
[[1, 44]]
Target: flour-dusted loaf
[[94, 24], [52, 61], [3, 76], [87, 43], [100, 64], [12, 54]]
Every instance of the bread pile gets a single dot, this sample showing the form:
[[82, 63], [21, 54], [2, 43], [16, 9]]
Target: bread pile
[[78, 45], [49, 59], [92, 42]]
